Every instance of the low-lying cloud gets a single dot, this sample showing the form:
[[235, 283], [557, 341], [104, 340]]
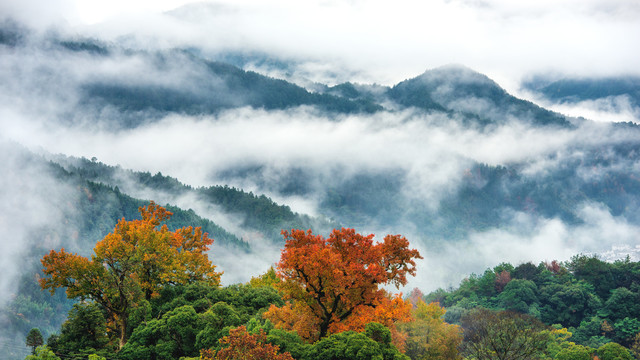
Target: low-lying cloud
[[527, 238], [608, 109], [34, 207]]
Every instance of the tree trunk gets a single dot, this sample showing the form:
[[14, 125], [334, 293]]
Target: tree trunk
[[122, 325], [324, 328]]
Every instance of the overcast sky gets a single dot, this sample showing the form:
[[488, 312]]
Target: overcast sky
[[376, 40]]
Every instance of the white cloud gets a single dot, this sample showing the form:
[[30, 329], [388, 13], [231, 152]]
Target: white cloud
[[381, 41], [607, 109], [526, 239], [33, 209]]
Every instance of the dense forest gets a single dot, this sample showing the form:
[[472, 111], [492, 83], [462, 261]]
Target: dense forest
[[150, 292], [88, 212]]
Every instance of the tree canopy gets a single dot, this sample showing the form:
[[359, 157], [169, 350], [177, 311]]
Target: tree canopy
[[132, 264], [331, 281], [34, 339]]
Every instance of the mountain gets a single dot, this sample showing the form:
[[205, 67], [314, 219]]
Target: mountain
[[115, 88], [94, 202], [220, 86], [573, 90], [613, 98], [459, 90], [258, 213]]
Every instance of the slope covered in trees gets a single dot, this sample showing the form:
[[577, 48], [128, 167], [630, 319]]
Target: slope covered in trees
[[596, 301], [578, 309], [154, 294], [573, 90], [258, 212], [93, 203]]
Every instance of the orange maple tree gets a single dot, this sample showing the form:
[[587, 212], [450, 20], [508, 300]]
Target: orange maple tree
[[132, 263], [333, 284]]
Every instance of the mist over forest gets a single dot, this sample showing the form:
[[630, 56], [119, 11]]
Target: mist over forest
[[248, 142]]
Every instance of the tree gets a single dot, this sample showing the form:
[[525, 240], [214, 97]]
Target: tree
[[625, 330], [518, 295], [635, 346], [613, 351], [502, 279], [502, 335], [568, 303], [622, 303], [34, 339], [429, 337], [270, 278], [42, 353], [526, 271], [170, 337], [415, 296], [132, 263], [373, 343], [241, 345], [84, 332], [575, 352], [594, 271], [328, 281]]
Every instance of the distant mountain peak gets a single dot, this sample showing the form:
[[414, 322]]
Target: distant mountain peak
[[458, 75], [458, 89]]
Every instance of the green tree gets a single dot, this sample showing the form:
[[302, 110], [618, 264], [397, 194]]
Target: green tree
[[625, 330], [526, 271], [518, 295], [373, 343], [288, 341], [34, 339], [622, 303], [588, 328], [84, 332], [568, 304], [594, 271], [503, 335], [575, 352], [613, 351], [170, 337], [42, 353]]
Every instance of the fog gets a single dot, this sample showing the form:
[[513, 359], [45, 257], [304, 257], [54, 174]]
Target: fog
[[44, 106], [195, 149], [530, 239], [607, 109], [371, 41], [33, 208]]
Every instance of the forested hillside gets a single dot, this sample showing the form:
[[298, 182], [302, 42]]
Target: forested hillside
[[595, 300], [325, 301], [89, 212]]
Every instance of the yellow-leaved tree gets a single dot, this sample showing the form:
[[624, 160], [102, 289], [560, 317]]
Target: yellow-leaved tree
[[429, 336], [132, 264]]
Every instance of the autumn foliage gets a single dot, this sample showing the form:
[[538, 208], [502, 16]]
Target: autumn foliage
[[241, 345], [429, 336], [333, 284], [131, 264]]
